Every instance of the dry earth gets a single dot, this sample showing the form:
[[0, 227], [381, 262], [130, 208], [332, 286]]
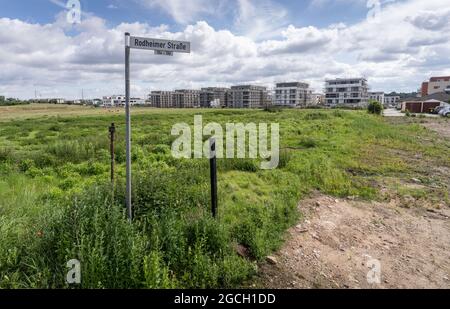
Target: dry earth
[[339, 240], [441, 126]]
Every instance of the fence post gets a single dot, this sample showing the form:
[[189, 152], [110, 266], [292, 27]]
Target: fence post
[[112, 133], [213, 174]]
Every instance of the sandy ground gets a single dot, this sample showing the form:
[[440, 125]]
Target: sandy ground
[[341, 244], [441, 126]]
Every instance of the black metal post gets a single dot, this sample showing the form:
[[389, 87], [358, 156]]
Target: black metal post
[[112, 133], [213, 173]]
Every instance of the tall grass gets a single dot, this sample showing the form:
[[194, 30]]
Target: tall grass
[[56, 203]]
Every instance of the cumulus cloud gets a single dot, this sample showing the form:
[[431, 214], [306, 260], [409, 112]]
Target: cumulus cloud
[[260, 19], [396, 51], [181, 11]]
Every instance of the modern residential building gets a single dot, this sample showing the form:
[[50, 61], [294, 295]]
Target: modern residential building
[[249, 96], [351, 92], [162, 99], [137, 101], [435, 85], [318, 99], [295, 94], [97, 102], [115, 100], [186, 98], [57, 101], [391, 101], [377, 96], [214, 97]]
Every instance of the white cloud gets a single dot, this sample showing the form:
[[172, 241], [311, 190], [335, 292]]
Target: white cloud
[[260, 19], [183, 11], [396, 51]]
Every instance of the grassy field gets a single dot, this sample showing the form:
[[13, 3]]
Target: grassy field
[[56, 202]]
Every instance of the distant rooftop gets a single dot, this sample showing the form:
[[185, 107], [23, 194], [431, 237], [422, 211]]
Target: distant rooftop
[[440, 96]]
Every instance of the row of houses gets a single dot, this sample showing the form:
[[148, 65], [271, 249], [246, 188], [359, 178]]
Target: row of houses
[[295, 94], [245, 96], [345, 92]]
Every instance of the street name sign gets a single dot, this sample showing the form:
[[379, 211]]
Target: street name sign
[[160, 45]]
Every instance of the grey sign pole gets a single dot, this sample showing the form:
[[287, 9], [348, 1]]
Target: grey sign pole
[[128, 125], [161, 47]]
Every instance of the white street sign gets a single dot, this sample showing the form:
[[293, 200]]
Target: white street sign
[[163, 53], [160, 45]]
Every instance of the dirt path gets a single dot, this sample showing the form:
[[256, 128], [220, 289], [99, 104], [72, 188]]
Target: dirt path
[[341, 241]]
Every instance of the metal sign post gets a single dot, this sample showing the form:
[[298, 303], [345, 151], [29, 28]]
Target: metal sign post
[[213, 174], [112, 134], [161, 47]]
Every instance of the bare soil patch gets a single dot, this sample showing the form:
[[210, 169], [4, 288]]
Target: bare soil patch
[[337, 239]]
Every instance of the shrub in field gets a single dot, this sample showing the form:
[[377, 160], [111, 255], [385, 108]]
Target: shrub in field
[[316, 116], [245, 165], [308, 142], [375, 108], [5, 154]]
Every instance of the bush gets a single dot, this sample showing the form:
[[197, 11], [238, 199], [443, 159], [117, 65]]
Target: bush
[[375, 108]]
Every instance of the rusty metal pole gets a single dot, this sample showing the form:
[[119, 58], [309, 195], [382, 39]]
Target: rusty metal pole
[[112, 132]]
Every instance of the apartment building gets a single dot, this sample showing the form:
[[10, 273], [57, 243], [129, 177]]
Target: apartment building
[[186, 98], [351, 92], [249, 96], [115, 100], [390, 101], [377, 96], [318, 99], [435, 85], [162, 99], [214, 97], [295, 94]]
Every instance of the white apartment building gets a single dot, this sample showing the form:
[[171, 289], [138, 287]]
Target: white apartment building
[[249, 96], [112, 101], [351, 92], [377, 96], [120, 100], [295, 94], [391, 101]]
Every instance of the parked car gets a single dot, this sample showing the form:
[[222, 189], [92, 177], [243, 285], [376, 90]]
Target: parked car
[[438, 109], [445, 112]]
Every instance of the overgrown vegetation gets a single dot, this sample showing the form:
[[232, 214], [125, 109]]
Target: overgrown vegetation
[[56, 203], [375, 107]]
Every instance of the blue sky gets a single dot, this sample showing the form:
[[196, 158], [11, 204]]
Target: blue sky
[[396, 44], [300, 13]]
